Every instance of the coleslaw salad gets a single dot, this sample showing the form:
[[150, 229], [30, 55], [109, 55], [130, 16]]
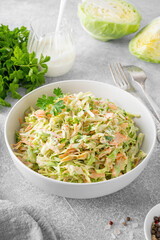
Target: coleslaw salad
[[79, 138]]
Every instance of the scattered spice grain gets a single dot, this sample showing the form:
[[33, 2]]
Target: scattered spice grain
[[110, 222]]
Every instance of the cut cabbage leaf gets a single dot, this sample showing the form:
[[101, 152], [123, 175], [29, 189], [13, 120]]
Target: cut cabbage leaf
[[146, 44], [108, 19]]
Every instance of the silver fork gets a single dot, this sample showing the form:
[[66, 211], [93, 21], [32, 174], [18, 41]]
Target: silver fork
[[119, 77], [121, 81], [139, 76]]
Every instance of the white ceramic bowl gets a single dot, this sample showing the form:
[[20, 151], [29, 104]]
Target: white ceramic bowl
[[99, 89], [155, 211]]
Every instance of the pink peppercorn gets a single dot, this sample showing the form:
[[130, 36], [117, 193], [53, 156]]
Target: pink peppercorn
[[110, 223]]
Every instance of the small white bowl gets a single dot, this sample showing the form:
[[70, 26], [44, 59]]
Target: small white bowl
[[155, 211], [99, 89]]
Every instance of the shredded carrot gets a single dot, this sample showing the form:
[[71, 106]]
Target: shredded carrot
[[16, 145], [83, 155], [119, 139], [112, 106], [68, 152], [40, 114], [85, 180], [20, 120], [61, 145], [29, 127], [113, 172], [136, 162], [65, 99], [119, 155], [124, 125], [105, 152], [94, 111], [69, 158], [49, 115], [94, 174], [22, 149], [20, 158], [109, 115], [26, 142]]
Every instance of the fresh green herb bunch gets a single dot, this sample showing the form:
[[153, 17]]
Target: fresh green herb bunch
[[18, 67]]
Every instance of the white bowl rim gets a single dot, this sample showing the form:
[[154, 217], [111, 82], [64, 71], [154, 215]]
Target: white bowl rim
[[69, 183], [147, 218]]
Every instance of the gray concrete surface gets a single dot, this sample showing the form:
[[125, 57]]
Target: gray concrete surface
[[86, 219]]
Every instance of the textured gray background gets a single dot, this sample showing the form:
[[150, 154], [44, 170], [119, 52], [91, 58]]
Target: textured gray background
[[88, 218]]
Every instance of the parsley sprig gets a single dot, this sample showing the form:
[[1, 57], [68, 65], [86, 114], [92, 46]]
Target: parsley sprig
[[56, 104], [18, 67]]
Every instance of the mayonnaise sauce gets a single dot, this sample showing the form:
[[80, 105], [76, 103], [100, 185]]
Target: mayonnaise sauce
[[62, 53], [54, 42]]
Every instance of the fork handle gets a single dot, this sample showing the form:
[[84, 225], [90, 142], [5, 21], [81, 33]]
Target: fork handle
[[154, 106]]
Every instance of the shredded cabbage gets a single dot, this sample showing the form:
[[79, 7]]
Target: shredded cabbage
[[90, 140]]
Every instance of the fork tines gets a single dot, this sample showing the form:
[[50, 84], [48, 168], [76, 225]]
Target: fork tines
[[119, 76]]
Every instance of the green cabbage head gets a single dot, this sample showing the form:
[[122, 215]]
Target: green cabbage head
[[146, 44], [108, 19]]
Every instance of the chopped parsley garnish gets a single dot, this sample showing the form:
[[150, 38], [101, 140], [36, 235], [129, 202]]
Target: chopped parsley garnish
[[109, 138], [56, 107]]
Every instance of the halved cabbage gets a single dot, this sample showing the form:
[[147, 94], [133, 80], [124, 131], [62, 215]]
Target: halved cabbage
[[108, 19], [146, 44]]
